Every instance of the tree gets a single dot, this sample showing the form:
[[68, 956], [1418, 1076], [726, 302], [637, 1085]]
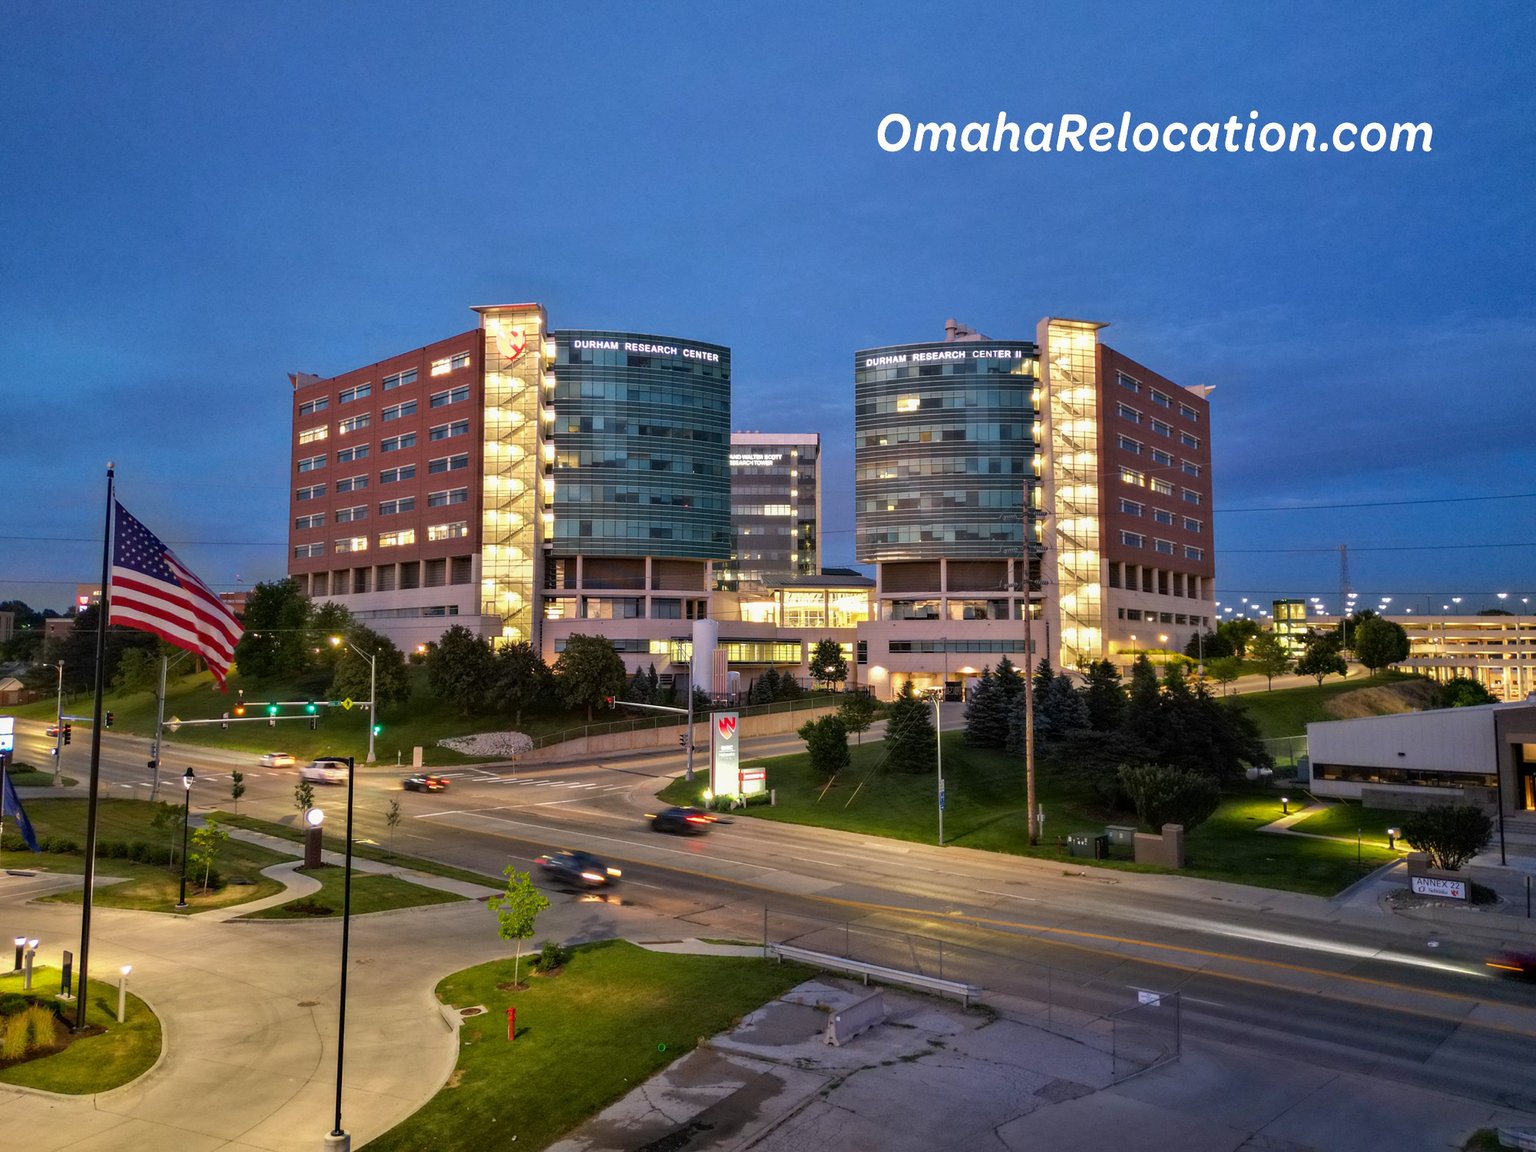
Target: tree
[[828, 666], [1464, 692], [387, 677], [169, 817], [392, 817], [206, 842], [909, 739], [1451, 833], [857, 712], [1163, 795], [523, 679], [1207, 645], [138, 670], [1059, 709], [1143, 713], [1322, 656], [986, 723], [236, 788], [517, 910], [826, 741], [1104, 697], [461, 670], [1379, 643], [77, 650], [329, 619], [276, 640], [303, 796], [588, 672], [1269, 656], [1237, 633], [765, 689], [1224, 670]]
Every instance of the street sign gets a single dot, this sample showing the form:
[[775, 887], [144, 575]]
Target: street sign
[[347, 704], [941, 799], [173, 723]]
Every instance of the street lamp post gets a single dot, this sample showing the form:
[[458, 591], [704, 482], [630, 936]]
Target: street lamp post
[[186, 818], [937, 696], [1163, 640], [338, 1139], [373, 681]]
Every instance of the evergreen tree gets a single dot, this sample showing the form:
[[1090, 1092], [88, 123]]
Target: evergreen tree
[[1060, 709], [986, 715], [1143, 714], [909, 739], [1104, 697]]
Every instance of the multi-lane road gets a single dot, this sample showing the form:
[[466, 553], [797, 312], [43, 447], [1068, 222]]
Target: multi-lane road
[[1336, 982]]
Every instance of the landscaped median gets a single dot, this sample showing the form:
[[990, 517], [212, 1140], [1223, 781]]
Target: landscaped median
[[588, 1032], [106, 1055]]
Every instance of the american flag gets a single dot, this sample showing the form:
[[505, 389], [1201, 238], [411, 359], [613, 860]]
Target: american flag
[[154, 591]]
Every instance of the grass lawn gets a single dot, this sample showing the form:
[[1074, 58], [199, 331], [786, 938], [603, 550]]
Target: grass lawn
[[149, 887], [91, 1063], [336, 842], [1345, 818], [24, 776], [370, 893], [984, 808], [586, 1036], [1288, 711]]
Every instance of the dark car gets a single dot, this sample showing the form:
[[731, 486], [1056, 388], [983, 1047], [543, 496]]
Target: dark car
[[424, 782], [1517, 963], [582, 868], [682, 821]]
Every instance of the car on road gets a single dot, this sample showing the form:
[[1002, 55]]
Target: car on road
[[325, 770], [53, 730], [277, 760], [1517, 962], [424, 782], [682, 821], [568, 867]]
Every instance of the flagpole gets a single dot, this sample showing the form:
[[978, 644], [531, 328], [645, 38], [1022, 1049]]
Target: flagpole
[[90, 813]]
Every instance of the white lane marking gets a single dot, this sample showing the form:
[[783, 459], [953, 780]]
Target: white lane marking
[[1008, 895]]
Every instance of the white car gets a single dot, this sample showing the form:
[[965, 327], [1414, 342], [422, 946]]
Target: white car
[[277, 760], [326, 770]]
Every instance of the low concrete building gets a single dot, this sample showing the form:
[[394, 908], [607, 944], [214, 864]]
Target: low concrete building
[[1483, 755]]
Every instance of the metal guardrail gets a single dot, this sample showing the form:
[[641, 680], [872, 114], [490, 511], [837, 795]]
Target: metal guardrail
[[965, 993]]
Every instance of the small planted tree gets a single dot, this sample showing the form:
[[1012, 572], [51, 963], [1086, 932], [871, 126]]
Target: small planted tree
[[1163, 795], [1224, 670], [303, 796], [857, 712], [826, 741], [1451, 833], [828, 666], [169, 817], [392, 817], [206, 842], [236, 788], [1269, 657], [517, 911]]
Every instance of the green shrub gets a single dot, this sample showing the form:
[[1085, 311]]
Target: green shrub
[[142, 853], [58, 845], [12, 842], [308, 906], [551, 956], [12, 1003], [112, 849]]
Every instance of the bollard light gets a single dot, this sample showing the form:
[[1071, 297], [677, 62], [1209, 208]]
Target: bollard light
[[1285, 805], [21, 943], [1392, 836], [122, 991], [31, 956]]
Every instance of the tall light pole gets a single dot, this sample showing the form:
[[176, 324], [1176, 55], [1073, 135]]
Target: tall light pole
[[186, 818], [937, 696], [58, 723], [373, 682]]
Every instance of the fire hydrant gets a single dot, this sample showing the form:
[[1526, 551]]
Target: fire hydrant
[[511, 1023]]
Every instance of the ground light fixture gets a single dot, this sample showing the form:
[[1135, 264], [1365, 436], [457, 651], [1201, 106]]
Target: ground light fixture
[[1285, 805], [122, 991], [21, 944], [186, 814], [31, 956], [1393, 835]]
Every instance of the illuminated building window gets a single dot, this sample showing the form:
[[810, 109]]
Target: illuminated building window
[[310, 463], [353, 423], [396, 411], [396, 539], [313, 492], [399, 379], [1131, 476], [360, 392], [317, 520], [450, 364], [1162, 487], [310, 435], [1133, 539], [304, 551], [447, 431], [347, 515], [452, 396], [448, 463], [352, 544], [448, 531], [395, 507], [356, 452], [395, 475], [395, 443], [352, 484], [310, 407]]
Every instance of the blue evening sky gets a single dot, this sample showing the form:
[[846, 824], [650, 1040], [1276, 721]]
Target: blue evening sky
[[198, 199]]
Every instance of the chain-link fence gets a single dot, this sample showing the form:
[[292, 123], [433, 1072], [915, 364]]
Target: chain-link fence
[[1138, 1030]]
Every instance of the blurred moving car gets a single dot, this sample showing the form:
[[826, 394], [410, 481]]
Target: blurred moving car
[[569, 867], [682, 821], [424, 782], [325, 770], [277, 760], [1516, 962], [53, 730]]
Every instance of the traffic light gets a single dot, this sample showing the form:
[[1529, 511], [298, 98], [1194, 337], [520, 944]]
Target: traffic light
[[109, 717], [378, 729], [609, 700], [151, 765], [682, 739], [312, 709], [68, 728], [271, 715], [239, 707], [224, 720]]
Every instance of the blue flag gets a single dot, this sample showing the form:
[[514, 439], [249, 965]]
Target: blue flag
[[10, 805]]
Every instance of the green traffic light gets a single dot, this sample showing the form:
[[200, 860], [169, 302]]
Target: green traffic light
[[310, 708], [271, 709], [378, 729]]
